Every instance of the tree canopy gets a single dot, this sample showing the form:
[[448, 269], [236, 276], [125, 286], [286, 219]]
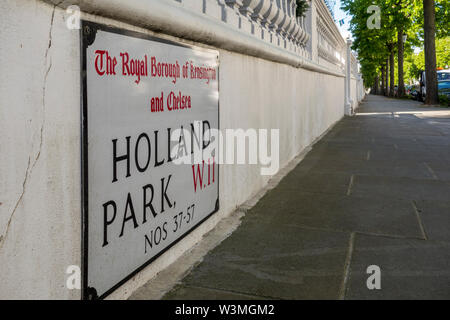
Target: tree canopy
[[374, 45]]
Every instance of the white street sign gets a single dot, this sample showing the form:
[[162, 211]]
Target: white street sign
[[138, 91]]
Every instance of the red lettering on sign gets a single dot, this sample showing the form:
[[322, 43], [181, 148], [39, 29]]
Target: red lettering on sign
[[111, 63]]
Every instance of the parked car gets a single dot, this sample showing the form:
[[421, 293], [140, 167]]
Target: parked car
[[413, 91], [442, 76], [408, 89], [444, 84]]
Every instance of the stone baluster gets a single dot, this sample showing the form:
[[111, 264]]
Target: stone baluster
[[293, 32], [290, 27], [288, 21], [283, 19], [307, 35], [236, 20], [257, 7], [251, 10], [299, 31], [268, 12], [295, 28], [276, 21], [235, 4]]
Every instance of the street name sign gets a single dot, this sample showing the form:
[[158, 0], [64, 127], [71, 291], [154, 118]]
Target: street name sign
[[147, 107]]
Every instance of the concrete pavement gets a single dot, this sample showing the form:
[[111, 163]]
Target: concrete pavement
[[374, 191]]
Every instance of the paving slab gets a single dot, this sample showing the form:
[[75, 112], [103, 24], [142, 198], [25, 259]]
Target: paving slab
[[276, 261], [440, 152], [435, 217], [347, 152], [183, 292], [375, 168], [410, 269], [338, 212], [401, 187], [396, 154], [302, 180], [439, 168]]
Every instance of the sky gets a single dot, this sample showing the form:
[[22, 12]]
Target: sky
[[339, 14]]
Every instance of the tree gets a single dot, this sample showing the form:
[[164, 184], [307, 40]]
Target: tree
[[402, 12], [386, 93], [376, 47], [375, 85], [401, 83], [398, 18], [430, 52], [391, 69]]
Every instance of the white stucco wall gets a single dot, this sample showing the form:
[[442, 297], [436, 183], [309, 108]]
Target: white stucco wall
[[356, 91], [40, 214], [39, 151], [353, 94]]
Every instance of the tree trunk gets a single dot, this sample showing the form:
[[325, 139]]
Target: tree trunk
[[401, 84], [375, 87], [383, 81], [392, 73], [430, 52], [386, 92]]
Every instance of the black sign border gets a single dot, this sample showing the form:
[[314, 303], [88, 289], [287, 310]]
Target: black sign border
[[88, 32]]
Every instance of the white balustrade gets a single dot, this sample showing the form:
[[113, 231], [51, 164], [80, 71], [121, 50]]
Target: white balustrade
[[276, 22]]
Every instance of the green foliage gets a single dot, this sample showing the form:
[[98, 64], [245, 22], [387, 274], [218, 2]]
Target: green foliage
[[443, 100], [373, 45], [302, 8], [443, 52], [414, 63], [442, 18]]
